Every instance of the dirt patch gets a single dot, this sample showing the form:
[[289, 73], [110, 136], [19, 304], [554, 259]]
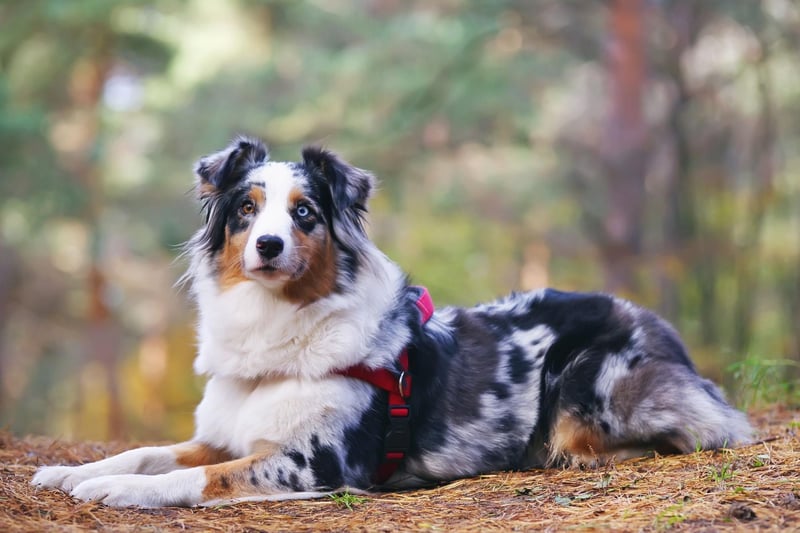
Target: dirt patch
[[751, 488]]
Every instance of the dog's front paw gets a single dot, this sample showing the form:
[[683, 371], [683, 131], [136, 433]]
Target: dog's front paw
[[60, 477], [116, 491], [136, 490]]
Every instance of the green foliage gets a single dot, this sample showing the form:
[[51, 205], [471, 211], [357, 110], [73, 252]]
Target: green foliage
[[765, 381], [605, 481], [488, 124], [722, 473], [670, 517], [345, 499]]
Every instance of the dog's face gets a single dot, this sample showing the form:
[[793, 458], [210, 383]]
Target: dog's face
[[292, 227]]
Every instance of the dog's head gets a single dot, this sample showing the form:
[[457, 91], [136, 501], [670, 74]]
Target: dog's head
[[296, 228]]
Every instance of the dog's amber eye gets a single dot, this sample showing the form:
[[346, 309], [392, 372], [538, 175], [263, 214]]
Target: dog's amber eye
[[248, 207]]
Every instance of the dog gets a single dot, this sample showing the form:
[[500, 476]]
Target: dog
[[329, 371]]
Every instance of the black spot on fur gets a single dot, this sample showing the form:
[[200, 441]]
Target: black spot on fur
[[507, 423], [282, 478], [298, 458], [633, 361], [224, 482], [518, 366], [605, 427], [294, 482], [348, 265], [501, 391], [498, 324], [364, 441], [325, 466]]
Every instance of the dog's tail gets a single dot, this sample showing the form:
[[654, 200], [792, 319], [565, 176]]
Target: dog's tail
[[664, 399], [703, 419]]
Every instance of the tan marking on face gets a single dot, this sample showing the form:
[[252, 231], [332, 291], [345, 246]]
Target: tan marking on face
[[199, 454], [316, 251], [232, 479], [319, 278], [295, 196], [230, 262], [572, 437], [258, 195]]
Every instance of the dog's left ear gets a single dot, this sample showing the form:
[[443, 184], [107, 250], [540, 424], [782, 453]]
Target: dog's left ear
[[350, 186]]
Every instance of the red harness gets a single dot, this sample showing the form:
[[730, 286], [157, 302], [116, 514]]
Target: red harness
[[398, 436]]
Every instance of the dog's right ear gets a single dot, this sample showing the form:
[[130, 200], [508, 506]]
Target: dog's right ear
[[220, 171]]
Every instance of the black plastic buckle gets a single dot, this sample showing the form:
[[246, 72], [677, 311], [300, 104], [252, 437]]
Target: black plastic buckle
[[398, 435]]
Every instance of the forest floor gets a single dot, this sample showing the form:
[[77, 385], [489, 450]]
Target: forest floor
[[755, 488]]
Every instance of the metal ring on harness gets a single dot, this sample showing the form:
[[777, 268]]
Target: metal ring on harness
[[401, 384]]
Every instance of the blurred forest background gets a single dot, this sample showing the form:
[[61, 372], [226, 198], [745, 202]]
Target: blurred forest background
[[645, 147]]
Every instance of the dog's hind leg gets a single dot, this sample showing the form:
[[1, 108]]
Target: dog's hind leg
[[657, 405]]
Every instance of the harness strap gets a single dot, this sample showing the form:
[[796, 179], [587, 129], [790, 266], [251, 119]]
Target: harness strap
[[398, 435]]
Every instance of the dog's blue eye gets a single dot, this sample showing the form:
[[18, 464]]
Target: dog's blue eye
[[302, 211]]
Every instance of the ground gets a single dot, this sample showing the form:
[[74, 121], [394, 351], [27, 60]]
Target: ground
[[755, 488]]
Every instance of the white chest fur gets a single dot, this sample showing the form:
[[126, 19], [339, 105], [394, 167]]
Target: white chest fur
[[271, 362], [248, 332], [245, 416]]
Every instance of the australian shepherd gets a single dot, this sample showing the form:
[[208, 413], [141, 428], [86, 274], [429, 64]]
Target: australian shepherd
[[329, 371]]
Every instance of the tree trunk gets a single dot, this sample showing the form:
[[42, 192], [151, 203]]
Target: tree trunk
[[102, 335], [9, 272], [625, 147]]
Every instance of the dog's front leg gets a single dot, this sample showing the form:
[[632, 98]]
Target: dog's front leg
[[255, 477], [148, 460]]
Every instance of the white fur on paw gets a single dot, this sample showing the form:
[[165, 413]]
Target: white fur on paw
[[60, 477], [123, 490], [136, 490]]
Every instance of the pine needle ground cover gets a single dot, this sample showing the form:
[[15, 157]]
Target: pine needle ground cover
[[755, 488]]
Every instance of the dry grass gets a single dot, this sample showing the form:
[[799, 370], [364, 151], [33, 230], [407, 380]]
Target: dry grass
[[752, 488]]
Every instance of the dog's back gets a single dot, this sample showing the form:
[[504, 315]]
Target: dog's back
[[548, 378]]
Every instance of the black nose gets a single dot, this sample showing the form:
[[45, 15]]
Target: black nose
[[269, 246]]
